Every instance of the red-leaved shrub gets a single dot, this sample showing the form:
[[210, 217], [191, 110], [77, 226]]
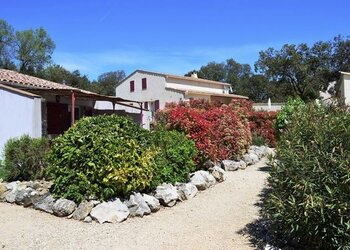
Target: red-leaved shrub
[[262, 124], [219, 131]]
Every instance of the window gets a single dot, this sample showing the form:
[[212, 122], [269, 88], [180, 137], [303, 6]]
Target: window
[[145, 105], [156, 105], [132, 86], [144, 83]]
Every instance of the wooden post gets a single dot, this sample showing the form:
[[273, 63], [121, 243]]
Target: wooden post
[[73, 109]]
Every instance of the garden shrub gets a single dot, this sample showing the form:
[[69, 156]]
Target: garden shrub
[[176, 156], [283, 117], [258, 140], [262, 125], [101, 157], [310, 196], [25, 158], [219, 131]]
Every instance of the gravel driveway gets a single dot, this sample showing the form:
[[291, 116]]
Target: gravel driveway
[[211, 220]]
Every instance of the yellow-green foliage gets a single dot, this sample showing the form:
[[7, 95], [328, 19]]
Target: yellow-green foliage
[[101, 157]]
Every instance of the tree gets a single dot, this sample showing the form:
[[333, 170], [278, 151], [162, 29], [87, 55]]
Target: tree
[[213, 71], [6, 45], [107, 82], [307, 70], [33, 50], [56, 73]]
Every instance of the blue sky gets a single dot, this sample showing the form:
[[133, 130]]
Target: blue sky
[[173, 36]]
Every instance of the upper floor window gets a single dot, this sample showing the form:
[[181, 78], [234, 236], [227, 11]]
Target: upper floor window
[[144, 83], [156, 105], [146, 105], [132, 86]]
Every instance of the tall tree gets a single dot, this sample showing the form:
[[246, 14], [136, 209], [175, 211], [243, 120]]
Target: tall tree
[[107, 82], [56, 73], [306, 69], [33, 50], [7, 39]]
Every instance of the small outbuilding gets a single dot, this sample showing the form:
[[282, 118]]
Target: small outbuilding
[[37, 107]]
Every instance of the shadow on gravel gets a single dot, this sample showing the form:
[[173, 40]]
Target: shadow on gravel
[[260, 232], [266, 168]]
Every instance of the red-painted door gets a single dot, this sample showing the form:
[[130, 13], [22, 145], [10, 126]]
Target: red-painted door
[[57, 118]]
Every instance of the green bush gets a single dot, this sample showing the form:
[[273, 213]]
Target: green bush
[[258, 140], [101, 157], [3, 174], [25, 158], [310, 179], [175, 159], [283, 117]]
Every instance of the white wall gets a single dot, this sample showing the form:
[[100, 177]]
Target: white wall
[[345, 88], [155, 91], [19, 115], [197, 86]]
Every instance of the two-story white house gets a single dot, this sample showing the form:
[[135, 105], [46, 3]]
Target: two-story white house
[[154, 90]]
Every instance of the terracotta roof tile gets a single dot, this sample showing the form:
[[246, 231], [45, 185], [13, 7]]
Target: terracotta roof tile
[[29, 81]]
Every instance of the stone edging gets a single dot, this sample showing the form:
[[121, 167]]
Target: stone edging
[[36, 193]]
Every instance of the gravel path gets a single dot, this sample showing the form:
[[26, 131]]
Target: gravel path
[[211, 220]]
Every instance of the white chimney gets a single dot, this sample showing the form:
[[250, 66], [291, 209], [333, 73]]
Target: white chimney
[[194, 75]]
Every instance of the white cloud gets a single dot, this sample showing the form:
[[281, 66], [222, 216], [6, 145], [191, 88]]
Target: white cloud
[[163, 60]]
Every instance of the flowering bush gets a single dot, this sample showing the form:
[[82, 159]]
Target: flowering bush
[[219, 131]]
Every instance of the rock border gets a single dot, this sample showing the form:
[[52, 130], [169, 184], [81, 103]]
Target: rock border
[[36, 194]]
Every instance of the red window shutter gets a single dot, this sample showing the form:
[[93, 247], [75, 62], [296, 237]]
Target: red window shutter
[[144, 83], [156, 105], [132, 86], [146, 105]]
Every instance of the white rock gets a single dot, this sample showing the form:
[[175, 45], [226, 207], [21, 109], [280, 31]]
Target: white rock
[[83, 210], [242, 164], [12, 185], [11, 195], [219, 174], [152, 202], [230, 165], [202, 179], [167, 195], [45, 203], [112, 211], [137, 205], [88, 219], [186, 191], [250, 158], [63, 207]]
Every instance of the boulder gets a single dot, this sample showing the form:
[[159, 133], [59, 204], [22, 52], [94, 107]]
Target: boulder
[[202, 179], [10, 196], [23, 196], [242, 164], [152, 202], [219, 174], [45, 203], [112, 211], [3, 190], [12, 185], [269, 151], [87, 219], [137, 205], [83, 210], [167, 195], [186, 191], [229, 165], [251, 158], [208, 165], [63, 207]]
